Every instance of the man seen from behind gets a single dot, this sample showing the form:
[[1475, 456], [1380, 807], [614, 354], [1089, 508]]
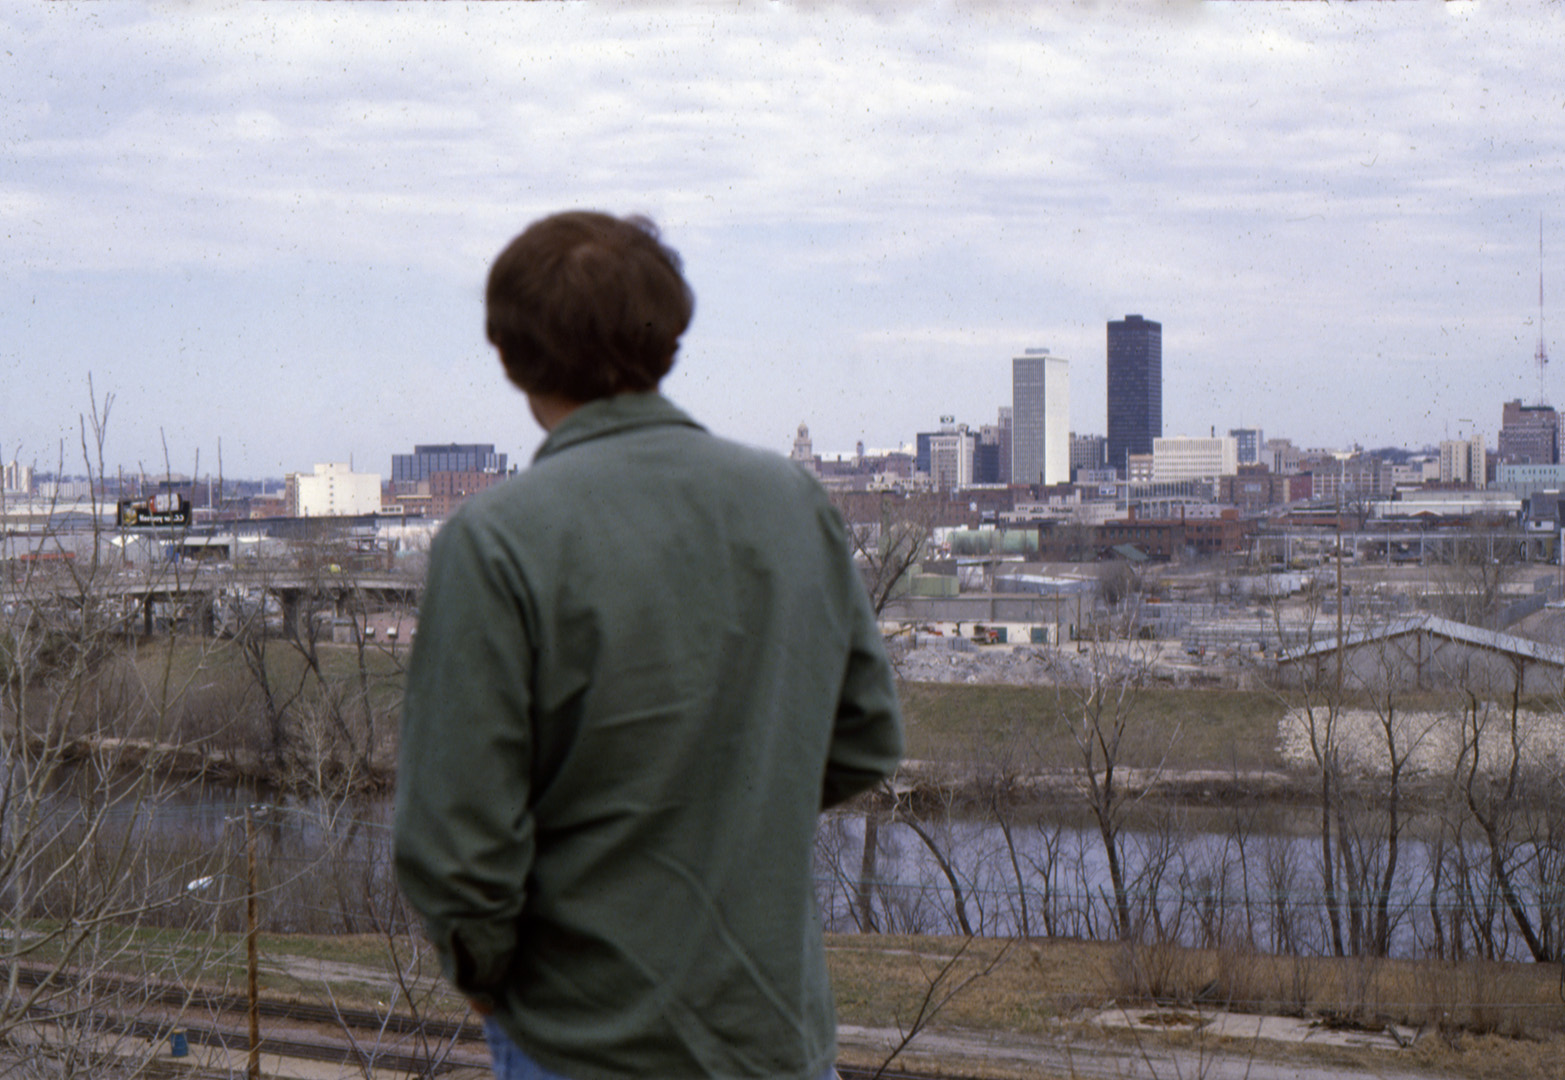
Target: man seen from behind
[[643, 667]]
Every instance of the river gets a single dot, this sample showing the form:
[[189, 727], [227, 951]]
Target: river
[[1208, 880]]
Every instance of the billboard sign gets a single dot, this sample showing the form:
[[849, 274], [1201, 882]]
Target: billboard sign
[[165, 508]]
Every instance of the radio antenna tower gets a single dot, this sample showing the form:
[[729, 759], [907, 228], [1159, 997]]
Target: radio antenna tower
[[1542, 355]]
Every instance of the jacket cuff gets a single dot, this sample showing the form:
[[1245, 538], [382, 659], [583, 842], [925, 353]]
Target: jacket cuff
[[476, 957]]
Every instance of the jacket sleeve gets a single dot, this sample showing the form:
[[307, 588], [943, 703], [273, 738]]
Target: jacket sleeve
[[866, 742], [463, 836]]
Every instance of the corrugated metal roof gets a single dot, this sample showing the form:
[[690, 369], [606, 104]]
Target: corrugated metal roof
[[1447, 628]]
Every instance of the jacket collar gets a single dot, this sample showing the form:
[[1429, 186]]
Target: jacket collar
[[608, 416]]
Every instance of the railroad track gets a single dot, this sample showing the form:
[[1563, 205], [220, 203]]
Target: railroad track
[[456, 1044], [443, 1045], [300, 1012]]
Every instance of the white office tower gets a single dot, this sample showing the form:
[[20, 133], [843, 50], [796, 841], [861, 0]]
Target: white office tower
[[1186, 458], [1040, 418]]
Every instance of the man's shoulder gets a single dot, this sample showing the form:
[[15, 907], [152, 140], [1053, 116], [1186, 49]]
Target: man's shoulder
[[681, 447], [765, 465], [497, 511], [636, 466], [763, 481]]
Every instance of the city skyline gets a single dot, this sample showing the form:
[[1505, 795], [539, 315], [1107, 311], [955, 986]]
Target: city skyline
[[1035, 381], [269, 227]]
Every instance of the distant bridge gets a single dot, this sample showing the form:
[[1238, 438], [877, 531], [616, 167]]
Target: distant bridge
[[199, 590]]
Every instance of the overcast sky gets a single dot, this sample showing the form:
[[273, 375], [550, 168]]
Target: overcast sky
[[269, 225]]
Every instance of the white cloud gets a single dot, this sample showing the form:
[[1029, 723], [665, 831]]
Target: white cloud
[[1306, 195]]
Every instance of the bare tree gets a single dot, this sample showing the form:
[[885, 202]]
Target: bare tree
[[1118, 582], [324, 706], [1372, 810], [1475, 573], [1500, 804], [892, 545], [887, 550], [942, 987], [1315, 691], [1000, 783], [88, 740], [934, 832], [1096, 696], [869, 868]]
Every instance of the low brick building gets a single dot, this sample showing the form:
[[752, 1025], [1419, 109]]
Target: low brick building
[[448, 490], [1166, 538]]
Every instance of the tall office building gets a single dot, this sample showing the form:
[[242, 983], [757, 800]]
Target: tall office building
[[332, 490], [1135, 387], [1529, 434], [18, 478], [923, 441], [1281, 456], [1040, 418]]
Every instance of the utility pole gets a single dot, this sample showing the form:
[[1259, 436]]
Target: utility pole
[[1541, 357], [252, 960]]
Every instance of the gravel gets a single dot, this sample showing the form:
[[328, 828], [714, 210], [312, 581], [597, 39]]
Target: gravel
[[1431, 742]]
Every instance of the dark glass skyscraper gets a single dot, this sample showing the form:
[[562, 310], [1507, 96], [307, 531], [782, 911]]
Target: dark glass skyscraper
[[1135, 390]]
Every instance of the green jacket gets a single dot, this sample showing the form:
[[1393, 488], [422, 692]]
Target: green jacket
[[642, 668]]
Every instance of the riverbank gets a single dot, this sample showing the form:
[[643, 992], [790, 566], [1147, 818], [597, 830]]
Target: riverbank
[[940, 783]]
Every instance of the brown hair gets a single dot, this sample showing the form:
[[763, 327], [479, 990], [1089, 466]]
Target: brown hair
[[586, 305]]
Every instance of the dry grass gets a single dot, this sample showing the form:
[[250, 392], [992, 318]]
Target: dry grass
[[195, 663], [1217, 729], [879, 980], [1520, 1001], [1479, 1020], [1041, 991], [208, 697]]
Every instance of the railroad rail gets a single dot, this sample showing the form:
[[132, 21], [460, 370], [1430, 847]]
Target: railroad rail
[[458, 1044]]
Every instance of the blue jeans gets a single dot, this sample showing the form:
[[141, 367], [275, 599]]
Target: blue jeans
[[510, 1063]]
